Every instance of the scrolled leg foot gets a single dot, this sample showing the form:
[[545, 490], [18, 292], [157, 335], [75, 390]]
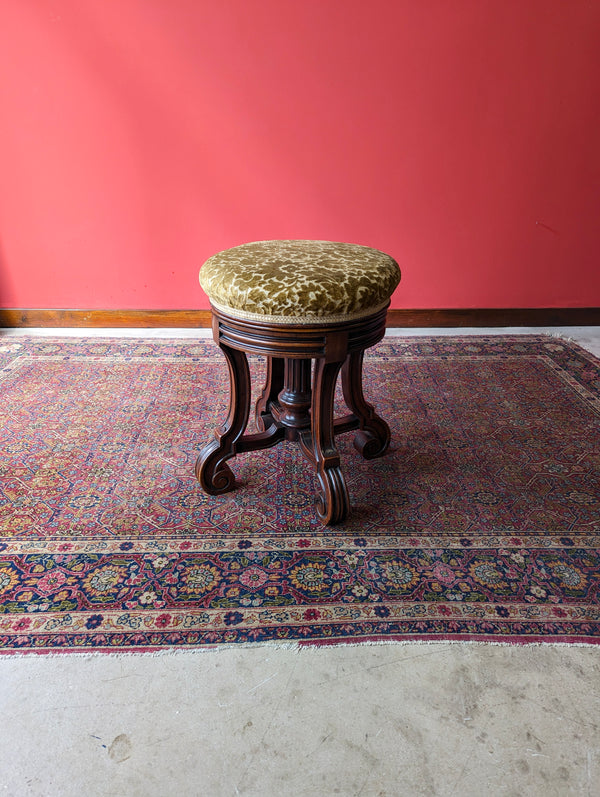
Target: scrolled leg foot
[[370, 445], [333, 503], [213, 473], [374, 436]]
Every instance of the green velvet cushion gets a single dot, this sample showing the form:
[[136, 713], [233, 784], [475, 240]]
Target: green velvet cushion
[[291, 281]]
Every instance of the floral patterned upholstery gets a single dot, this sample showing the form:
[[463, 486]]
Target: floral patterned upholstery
[[299, 281]]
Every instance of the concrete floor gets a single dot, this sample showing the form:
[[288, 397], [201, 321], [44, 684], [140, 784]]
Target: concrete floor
[[415, 719]]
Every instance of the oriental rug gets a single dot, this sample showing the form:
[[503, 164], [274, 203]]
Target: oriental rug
[[481, 523]]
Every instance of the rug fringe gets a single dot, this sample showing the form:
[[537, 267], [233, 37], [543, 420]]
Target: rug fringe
[[291, 647], [559, 336]]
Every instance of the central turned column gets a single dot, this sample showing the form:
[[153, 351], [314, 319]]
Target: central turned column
[[296, 397]]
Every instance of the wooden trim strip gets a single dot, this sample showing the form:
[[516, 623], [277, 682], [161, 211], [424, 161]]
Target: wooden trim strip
[[15, 317], [495, 317]]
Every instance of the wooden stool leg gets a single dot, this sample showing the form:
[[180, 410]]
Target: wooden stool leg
[[212, 472], [271, 390], [373, 436], [333, 503]]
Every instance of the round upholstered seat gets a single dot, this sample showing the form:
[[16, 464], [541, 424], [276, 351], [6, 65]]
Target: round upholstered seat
[[291, 282]]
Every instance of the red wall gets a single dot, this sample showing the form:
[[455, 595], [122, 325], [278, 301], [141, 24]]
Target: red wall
[[140, 136]]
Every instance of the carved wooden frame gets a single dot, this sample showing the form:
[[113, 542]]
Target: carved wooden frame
[[297, 400]]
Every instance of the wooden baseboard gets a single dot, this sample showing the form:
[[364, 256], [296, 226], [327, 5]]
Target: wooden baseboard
[[145, 319], [497, 317]]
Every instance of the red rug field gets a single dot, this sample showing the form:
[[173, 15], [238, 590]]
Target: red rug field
[[481, 523]]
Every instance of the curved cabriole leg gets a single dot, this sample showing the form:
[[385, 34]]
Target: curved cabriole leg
[[212, 471], [271, 390], [374, 435], [333, 503]]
